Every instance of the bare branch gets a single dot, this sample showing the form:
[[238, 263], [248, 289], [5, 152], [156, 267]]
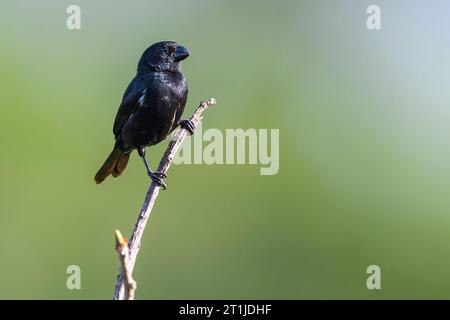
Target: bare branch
[[123, 251], [152, 193]]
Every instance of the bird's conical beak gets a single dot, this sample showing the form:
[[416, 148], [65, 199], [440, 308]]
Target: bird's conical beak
[[181, 53]]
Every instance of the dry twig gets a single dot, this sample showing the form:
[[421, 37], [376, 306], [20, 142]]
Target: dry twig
[[152, 193], [125, 271]]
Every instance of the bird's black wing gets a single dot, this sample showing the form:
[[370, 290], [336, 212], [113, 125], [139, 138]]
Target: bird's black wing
[[130, 103], [180, 110]]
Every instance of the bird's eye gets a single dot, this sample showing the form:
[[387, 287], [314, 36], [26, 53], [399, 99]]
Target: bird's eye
[[169, 50]]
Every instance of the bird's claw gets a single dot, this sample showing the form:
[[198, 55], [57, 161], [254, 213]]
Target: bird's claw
[[188, 125], [157, 177], [160, 174]]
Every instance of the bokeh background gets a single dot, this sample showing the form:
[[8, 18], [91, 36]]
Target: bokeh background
[[364, 150]]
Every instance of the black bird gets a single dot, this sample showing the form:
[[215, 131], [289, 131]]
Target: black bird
[[151, 108]]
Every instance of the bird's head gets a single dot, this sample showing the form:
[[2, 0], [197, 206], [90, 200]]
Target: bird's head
[[163, 56]]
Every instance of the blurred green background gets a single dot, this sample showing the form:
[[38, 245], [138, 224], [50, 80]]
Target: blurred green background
[[364, 150]]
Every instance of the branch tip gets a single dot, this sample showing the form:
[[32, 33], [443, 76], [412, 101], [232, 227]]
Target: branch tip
[[120, 239]]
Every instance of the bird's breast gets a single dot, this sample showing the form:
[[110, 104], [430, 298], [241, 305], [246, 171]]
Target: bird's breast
[[159, 108]]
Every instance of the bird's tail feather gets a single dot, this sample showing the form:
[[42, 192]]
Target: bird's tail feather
[[114, 165]]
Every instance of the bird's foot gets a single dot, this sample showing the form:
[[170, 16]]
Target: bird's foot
[[157, 177], [188, 125], [160, 174]]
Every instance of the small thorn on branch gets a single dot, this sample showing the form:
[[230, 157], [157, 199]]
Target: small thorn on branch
[[125, 270]]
